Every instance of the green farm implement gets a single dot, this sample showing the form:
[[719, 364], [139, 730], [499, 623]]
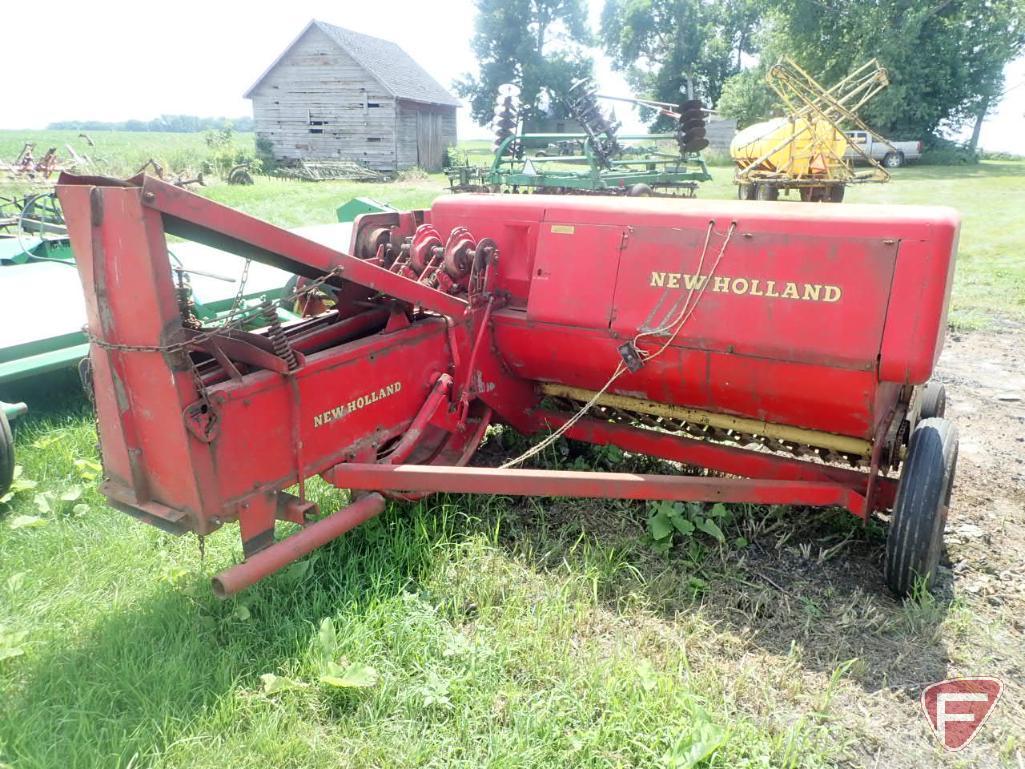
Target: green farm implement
[[645, 169], [596, 161]]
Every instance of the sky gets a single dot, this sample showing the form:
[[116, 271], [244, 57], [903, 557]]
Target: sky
[[118, 59]]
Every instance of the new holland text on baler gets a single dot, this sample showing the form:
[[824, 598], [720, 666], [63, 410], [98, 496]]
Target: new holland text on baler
[[784, 347]]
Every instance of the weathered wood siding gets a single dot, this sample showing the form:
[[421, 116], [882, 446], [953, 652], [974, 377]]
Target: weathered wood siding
[[318, 103], [424, 131]]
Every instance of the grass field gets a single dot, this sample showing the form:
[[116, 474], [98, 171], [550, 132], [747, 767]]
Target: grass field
[[465, 631]]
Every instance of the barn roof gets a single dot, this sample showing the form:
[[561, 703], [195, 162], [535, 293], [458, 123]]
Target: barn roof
[[384, 60]]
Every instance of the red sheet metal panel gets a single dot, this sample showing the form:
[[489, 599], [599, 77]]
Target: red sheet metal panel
[[809, 308], [358, 395], [916, 316], [813, 396], [788, 297], [130, 300], [583, 257]]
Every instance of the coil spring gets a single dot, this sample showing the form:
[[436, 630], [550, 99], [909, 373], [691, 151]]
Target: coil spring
[[276, 335]]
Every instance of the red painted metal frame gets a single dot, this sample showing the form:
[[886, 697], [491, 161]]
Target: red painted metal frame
[[600, 485], [189, 215], [396, 383], [728, 459], [292, 548]]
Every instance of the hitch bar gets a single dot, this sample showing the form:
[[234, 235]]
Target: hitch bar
[[294, 547]]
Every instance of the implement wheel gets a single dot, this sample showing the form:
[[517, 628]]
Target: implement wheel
[[766, 192], [915, 541], [6, 454], [745, 191], [933, 400]]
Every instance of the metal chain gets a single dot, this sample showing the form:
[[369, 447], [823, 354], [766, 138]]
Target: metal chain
[[233, 322], [241, 288]]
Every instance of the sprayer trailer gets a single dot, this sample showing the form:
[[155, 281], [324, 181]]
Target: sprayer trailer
[[784, 349]]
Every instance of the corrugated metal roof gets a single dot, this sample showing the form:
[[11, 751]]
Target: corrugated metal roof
[[394, 68]]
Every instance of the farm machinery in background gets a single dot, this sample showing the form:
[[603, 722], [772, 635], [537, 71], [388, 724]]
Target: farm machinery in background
[[769, 347], [597, 161], [804, 150]]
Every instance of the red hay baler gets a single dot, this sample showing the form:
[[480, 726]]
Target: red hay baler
[[784, 348]]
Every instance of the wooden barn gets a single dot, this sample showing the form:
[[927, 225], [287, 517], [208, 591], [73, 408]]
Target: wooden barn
[[338, 94]]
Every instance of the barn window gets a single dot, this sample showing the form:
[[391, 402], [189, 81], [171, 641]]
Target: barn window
[[374, 139], [373, 104], [315, 122]]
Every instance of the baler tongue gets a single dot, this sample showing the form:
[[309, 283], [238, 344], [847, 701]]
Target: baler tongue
[[739, 328]]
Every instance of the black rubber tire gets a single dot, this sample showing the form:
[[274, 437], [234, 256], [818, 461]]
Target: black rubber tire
[[915, 540], [6, 454], [639, 190], [836, 193], [932, 399], [893, 159], [745, 192], [766, 192]]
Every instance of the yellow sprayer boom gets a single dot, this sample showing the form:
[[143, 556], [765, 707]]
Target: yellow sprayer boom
[[805, 149]]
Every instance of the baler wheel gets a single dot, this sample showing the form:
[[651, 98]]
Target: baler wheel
[[933, 399], [915, 541], [6, 454]]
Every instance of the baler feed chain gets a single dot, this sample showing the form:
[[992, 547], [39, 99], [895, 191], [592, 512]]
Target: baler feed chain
[[724, 435]]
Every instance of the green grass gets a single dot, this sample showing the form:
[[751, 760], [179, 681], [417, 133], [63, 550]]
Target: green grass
[[504, 633], [493, 645], [292, 204]]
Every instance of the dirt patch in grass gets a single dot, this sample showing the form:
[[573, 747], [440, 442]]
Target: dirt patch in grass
[[839, 615]]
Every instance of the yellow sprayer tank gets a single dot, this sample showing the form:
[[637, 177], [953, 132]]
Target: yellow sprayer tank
[[795, 147]]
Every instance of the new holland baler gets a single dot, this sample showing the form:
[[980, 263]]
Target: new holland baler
[[783, 349]]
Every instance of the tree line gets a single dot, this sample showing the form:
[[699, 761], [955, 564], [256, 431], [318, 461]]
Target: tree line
[[945, 58], [168, 123]]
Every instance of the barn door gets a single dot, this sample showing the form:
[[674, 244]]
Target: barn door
[[429, 148]]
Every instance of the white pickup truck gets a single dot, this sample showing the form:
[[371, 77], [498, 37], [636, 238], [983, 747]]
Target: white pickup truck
[[890, 154]]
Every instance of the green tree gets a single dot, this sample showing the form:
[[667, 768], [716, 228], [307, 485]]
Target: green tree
[[537, 44], [747, 97], [945, 58], [659, 43]]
